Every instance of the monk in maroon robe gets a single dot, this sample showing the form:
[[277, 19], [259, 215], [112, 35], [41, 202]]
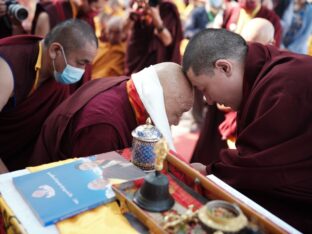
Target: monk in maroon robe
[[48, 14], [28, 88], [155, 36], [100, 116], [220, 123], [271, 89], [232, 17]]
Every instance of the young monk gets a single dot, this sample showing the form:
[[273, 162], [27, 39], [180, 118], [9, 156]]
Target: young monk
[[271, 90]]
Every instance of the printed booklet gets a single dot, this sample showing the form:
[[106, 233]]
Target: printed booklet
[[63, 191]]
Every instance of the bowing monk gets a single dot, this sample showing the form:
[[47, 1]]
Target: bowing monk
[[236, 17], [101, 115], [219, 128], [34, 73], [156, 34], [271, 90]]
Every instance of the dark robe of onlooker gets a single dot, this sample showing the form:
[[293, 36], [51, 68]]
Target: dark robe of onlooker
[[232, 15], [22, 117], [58, 12], [280, 6], [272, 163], [145, 48]]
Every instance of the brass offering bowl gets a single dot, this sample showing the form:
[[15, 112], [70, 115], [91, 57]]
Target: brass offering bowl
[[222, 216]]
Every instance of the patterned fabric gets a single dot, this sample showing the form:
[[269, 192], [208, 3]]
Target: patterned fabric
[[9, 224], [137, 105]]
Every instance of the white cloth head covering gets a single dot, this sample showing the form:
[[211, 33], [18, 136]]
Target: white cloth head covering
[[151, 94]]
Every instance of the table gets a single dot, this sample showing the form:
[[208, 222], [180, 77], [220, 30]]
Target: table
[[20, 219]]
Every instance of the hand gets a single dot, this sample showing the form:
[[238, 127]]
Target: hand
[[3, 8], [227, 128], [224, 108], [199, 167], [154, 13]]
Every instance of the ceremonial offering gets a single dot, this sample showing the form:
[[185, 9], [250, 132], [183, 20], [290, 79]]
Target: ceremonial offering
[[144, 139], [192, 192], [222, 216], [154, 194]]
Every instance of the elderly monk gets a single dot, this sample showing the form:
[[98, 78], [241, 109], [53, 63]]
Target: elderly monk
[[259, 30], [156, 34], [50, 13], [271, 90], [237, 17], [101, 115], [34, 73]]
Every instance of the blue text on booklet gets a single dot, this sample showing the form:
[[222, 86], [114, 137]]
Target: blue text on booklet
[[63, 191]]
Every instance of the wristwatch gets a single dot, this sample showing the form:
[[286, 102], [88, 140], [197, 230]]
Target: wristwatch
[[160, 29]]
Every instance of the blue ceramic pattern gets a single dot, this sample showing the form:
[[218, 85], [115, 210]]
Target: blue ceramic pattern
[[144, 139]]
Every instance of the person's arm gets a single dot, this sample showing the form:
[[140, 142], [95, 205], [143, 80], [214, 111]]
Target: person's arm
[[160, 30], [6, 83], [199, 167], [43, 24], [96, 139]]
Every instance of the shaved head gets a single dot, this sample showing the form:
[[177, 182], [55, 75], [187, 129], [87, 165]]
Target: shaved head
[[210, 45], [259, 30], [72, 34], [178, 92]]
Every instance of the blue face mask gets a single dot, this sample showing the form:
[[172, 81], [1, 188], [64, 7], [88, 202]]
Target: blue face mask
[[69, 75]]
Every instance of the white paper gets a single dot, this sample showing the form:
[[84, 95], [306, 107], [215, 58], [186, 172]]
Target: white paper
[[20, 207]]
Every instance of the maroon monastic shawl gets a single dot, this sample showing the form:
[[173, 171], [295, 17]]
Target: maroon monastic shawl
[[145, 48], [20, 124], [209, 143], [88, 109], [273, 160], [231, 16]]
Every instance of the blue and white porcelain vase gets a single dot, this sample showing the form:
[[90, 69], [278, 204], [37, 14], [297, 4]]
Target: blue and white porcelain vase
[[144, 139]]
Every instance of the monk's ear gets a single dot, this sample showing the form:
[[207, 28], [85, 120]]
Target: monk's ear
[[54, 50], [224, 66]]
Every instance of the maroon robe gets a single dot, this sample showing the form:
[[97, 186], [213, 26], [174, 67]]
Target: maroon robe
[[6, 27], [58, 12], [273, 160], [23, 115], [231, 16], [145, 48], [209, 143], [97, 118]]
